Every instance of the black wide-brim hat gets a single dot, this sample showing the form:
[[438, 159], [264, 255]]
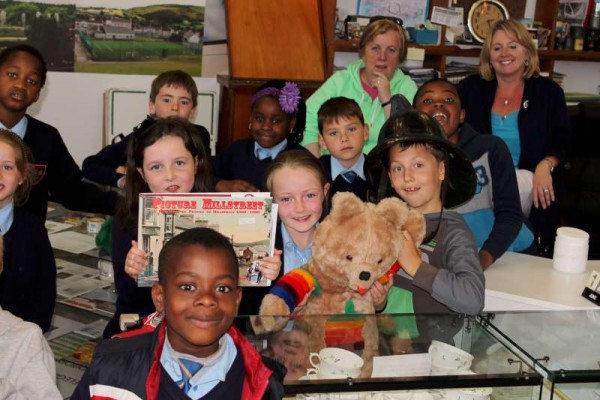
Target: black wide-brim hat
[[414, 127]]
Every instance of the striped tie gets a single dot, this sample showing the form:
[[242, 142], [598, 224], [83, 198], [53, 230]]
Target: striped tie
[[189, 368], [349, 176]]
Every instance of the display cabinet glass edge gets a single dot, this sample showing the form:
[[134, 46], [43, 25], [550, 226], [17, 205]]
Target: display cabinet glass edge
[[532, 380], [464, 333], [560, 345]]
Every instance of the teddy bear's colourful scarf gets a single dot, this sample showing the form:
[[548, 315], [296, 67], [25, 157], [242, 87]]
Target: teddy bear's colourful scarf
[[294, 286]]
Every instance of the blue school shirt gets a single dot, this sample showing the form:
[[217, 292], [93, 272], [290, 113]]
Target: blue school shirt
[[20, 127], [263, 153], [6, 218], [293, 257], [210, 375], [358, 168]]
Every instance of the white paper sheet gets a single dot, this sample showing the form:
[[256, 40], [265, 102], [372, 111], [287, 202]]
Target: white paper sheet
[[447, 16], [402, 365], [72, 242], [68, 375], [60, 326], [67, 267], [76, 286], [93, 330], [54, 227]]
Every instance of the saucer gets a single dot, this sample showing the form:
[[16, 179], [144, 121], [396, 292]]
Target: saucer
[[311, 377]]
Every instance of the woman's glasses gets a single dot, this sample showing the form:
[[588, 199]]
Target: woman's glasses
[[395, 20]]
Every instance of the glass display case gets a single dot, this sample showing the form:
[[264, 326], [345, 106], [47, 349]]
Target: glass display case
[[563, 346], [416, 357]]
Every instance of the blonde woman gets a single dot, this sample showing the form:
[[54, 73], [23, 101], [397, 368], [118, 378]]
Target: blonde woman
[[509, 98]]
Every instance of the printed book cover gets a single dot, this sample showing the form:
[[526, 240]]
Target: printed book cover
[[248, 220]]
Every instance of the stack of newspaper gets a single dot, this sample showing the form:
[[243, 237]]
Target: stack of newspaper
[[248, 220], [457, 71], [420, 75]]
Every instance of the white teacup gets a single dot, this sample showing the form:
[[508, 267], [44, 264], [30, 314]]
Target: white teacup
[[335, 363], [447, 358]]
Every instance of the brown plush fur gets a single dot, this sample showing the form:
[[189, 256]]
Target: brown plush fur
[[353, 247]]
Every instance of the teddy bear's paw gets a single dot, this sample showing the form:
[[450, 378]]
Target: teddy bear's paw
[[267, 323], [367, 369], [273, 305]]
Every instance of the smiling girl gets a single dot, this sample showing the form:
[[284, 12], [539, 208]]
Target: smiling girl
[[299, 186], [28, 273], [168, 157], [276, 123]]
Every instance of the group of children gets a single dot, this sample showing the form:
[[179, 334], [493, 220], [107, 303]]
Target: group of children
[[416, 159]]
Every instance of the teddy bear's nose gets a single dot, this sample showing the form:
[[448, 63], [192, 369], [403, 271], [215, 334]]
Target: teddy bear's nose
[[364, 276]]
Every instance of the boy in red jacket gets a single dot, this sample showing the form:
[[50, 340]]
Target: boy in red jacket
[[195, 352]]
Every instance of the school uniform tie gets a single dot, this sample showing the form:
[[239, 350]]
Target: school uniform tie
[[189, 368], [349, 176]]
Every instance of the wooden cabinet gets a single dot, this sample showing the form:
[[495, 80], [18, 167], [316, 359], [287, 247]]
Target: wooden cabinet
[[436, 56], [272, 39]]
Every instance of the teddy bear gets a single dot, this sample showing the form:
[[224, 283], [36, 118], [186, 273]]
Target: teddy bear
[[355, 245]]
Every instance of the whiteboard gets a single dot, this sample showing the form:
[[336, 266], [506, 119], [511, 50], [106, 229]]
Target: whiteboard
[[124, 109]]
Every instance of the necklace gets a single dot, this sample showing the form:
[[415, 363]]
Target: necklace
[[508, 99]]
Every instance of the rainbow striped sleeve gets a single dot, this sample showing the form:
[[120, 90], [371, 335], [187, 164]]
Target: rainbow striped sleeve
[[293, 287]]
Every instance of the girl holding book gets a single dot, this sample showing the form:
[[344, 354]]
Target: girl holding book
[[166, 158]]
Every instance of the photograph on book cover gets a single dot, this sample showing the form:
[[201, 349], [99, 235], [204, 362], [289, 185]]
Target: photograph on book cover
[[248, 221]]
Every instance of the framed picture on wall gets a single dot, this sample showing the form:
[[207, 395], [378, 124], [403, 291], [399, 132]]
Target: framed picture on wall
[[574, 11]]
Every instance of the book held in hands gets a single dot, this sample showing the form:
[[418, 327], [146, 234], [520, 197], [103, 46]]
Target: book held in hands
[[248, 220]]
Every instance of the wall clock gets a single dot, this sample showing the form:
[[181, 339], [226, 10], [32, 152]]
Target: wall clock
[[482, 15]]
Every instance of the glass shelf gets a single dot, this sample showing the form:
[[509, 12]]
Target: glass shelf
[[403, 361]]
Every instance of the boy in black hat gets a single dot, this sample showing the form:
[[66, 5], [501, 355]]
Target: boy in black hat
[[429, 173]]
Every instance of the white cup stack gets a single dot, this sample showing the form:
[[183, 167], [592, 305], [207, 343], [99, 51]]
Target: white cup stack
[[571, 250]]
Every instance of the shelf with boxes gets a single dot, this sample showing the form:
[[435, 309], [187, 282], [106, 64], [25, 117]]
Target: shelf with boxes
[[546, 14], [436, 56]]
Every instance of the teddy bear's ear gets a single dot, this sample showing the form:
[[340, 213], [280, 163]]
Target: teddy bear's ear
[[415, 225], [345, 205], [403, 218], [394, 210]]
